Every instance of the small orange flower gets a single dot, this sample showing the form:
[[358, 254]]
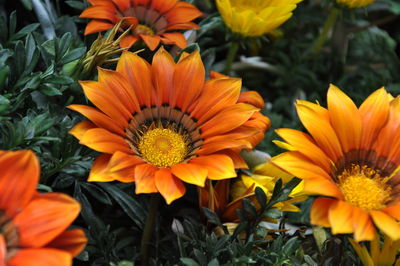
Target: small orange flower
[[352, 157], [163, 124], [153, 21], [33, 225]]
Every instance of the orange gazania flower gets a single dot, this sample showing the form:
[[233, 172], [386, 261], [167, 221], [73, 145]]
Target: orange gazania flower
[[33, 226], [161, 125], [152, 20], [352, 157]]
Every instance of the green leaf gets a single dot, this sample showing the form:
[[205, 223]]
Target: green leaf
[[212, 217], [73, 55], [12, 23], [27, 4], [131, 206], [97, 192], [76, 4], [261, 197], [273, 213], [48, 90], [25, 31], [189, 262]]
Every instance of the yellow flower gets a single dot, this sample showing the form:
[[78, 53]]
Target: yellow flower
[[354, 3], [378, 256], [256, 17]]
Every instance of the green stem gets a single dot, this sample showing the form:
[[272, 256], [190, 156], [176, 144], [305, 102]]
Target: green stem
[[148, 230], [329, 23], [230, 58]]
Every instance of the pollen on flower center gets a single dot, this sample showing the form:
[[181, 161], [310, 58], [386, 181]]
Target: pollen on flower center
[[163, 147], [364, 187], [143, 29]]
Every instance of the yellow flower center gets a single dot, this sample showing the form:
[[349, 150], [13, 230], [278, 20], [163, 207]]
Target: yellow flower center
[[364, 187], [143, 29], [163, 147]]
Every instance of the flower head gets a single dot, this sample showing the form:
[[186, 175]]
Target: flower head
[[161, 125], [152, 21], [352, 157], [354, 3], [225, 197], [257, 17], [33, 225]]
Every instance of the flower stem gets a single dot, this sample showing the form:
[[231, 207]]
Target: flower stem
[[230, 58], [148, 229], [329, 23]]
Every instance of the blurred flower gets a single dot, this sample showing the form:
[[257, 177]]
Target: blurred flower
[[225, 197], [352, 156], [354, 3], [163, 124], [257, 17], [152, 21], [378, 256], [33, 225]]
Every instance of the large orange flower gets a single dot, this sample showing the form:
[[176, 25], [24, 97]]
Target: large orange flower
[[352, 157], [33, 226], [152, 20], [162, 124]]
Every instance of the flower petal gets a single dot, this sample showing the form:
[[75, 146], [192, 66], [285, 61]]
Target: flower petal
[[362, 224], [170, 187], [190, 173], [176, 38], [44, 218], [341, 217], [320, 211], [102, 140], [387, 224], [151, 41], [219, 166], [145, 178], [72, 241], [19, 177]]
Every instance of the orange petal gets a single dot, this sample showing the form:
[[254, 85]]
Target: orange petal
[[302, 143], [315, 121], [189, 73], [170, 187], [81, 128], [72, 241], [44, 218], [122, 4], [182, 12], [374, 112], [138, 73], [101, 13], [41, 256], [322, 186], [217, 94], [120, 86], [127, 41], [119, 166], [104, 98], [228, 119], [190, 173], [176, 38], [3, 250], [362, 224], [20, 173], [298, 165], [162, 70], [238, 161], [393, 210], [145, 178], [387, 224], [151, 41], [213, 147], [341, 217], [97, 26], [347, 127], [320, 210], [98, 118], [219, 166], [101, 140], [253, 98]]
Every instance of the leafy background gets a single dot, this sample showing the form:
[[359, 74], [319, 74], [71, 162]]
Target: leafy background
[[41, 42]]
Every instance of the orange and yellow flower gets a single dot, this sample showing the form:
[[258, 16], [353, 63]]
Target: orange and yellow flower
[[152, 21], [352, 158], [33, 225], [225, 197], [163, 124]]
